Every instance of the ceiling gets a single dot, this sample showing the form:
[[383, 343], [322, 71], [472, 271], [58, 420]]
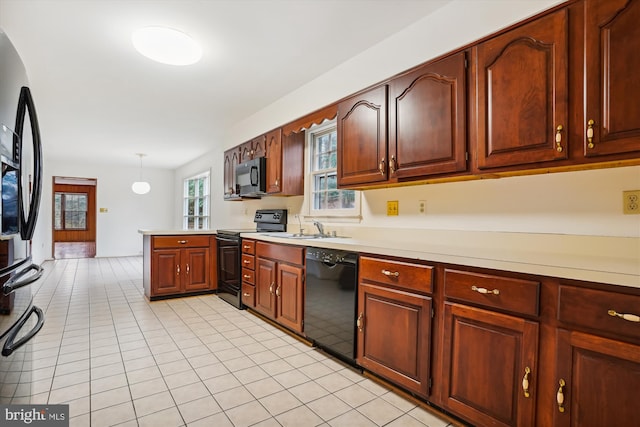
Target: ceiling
[[98, 100]]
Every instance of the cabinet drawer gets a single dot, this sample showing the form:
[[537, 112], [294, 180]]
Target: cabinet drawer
[[416, 277], [248, 276], [284, 253], [248, 295], [248, 262], [248, 246], [506, 293], [590, 308], [191, 241]]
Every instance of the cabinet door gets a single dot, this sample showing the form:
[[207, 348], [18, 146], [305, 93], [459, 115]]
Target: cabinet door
[[289, 296], [258, 147], [196, 269], [521, 92], [601, 381], [394, 336], [486, 357], [274, 161], [231, 160], [166, 272], [266, 287], [612, 38], [427, 120], [362, 138]]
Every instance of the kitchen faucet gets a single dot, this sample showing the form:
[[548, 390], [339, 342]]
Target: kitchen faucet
[[320, 227]]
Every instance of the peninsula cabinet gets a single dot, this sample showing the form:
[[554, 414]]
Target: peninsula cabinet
[[428, 120], [612, 81], [598, 358], [362, 138], [394, 322], [521, 97], [489, 357], [179, 265], [279, 283]]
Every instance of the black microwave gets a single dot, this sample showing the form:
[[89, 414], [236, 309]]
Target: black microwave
[[251, 177]]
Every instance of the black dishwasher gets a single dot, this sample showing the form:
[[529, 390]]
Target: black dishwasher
[[330, 301]]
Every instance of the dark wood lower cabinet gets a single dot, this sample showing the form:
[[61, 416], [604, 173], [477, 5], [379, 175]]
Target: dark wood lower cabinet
[[488, 358], [394, 339], [597, 381]]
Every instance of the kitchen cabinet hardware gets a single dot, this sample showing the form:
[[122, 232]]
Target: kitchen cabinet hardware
[[525, 382], [360, 322], [560, 395], [246, 276], [389, 273], [381, 166], [590, 124], [246, 294], [625, 316], [187, 268], [183, 242], [278, 291], [559, 130], [392, 164], [177, 270], [246, 261], [271, 288], [246, 247], [485, 290]]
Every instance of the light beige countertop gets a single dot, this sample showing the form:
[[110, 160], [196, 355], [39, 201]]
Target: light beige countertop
[[610, 260], [601, 259]]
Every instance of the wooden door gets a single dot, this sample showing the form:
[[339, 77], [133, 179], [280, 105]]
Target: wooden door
[[394, 336], [266, 287], [196, 269], [74, 217], [166, 272], [486, 356], [274, 161], [601, 381], [289, 296], [522, 95], [612, 63], [428, 120], [362, 138]]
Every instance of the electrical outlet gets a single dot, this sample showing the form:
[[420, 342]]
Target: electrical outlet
[[392, 208], [631, 202], [422, 207]]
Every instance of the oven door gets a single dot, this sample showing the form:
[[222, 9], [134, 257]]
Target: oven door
[[229, 270]]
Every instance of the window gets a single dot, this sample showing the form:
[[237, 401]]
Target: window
[[325, 199], [70, 211], [196, 202]]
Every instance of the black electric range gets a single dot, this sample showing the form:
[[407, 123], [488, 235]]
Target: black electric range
[[228, 246]]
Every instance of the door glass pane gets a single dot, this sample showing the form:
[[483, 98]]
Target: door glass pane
[[57, 202]]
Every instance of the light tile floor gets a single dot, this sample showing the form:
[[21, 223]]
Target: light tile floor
[[119, 360]]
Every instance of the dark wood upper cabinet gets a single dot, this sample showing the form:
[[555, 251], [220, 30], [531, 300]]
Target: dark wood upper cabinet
[[427, 120], [362, 138], [521, 105], [285, 163], [231, 160], [612, 80], [274, 161]]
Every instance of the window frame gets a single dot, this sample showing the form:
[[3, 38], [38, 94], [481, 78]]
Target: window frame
[[63, 211], [206, 198], [337, 215]]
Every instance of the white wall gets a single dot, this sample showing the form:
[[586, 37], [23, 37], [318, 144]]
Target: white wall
[[583, 203], [117, 230]]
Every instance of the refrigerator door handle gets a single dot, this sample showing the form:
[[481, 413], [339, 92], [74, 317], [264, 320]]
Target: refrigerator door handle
[[25, 104], [17, 281], [9, 345]]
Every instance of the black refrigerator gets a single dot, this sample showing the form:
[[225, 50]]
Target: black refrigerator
[[20, 192]]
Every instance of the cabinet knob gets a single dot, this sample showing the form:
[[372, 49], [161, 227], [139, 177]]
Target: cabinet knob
[[525, 381], [560, 395], [590, 124], [485, 290], [625, 316]]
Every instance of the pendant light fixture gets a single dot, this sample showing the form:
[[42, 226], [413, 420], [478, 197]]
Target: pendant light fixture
[[141, 187]]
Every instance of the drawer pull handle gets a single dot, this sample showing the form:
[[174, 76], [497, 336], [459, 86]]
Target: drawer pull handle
[[187, 269], [525, 381], [182, 242], [245, 294], [246, 276], [590, 124], [390, 273], [625, 316], [360, 322], [485, 290], [271, 288], [560, 395], [278, 291], [392, 164], [246, 247], [177, 270], [381, 166], [246, 261], [559, 138]]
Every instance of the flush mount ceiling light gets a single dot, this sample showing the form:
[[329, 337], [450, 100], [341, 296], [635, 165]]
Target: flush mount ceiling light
[[140, 187], [166, 45]]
